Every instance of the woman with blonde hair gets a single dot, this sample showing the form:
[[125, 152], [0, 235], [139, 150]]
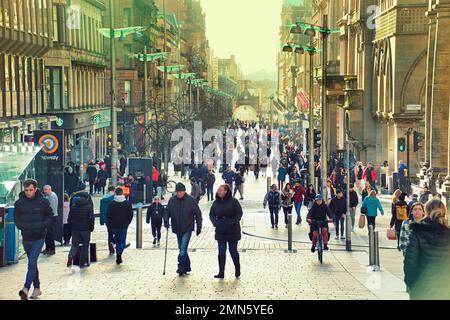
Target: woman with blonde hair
[[427, 255]]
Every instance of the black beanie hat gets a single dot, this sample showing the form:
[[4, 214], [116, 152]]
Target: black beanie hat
[[180, 187]]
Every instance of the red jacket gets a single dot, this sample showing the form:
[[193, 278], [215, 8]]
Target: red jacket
[[374, 175], [155, 175], [299, 192]]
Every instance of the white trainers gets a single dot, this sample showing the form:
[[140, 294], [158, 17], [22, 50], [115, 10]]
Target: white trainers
[[342, 237], [36, 293], [23, 294]]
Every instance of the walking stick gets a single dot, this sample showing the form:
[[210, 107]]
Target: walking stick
[[165, 255]]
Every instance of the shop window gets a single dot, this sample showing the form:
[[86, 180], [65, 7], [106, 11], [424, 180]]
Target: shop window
[[127, 56]]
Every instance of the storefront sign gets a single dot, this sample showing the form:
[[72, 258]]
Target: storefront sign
[[49, 168]]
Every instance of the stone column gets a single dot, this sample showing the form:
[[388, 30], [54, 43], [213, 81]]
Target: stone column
[[439, 91]]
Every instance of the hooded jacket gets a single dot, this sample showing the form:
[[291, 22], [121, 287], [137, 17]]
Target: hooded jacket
[[119, 213], [226, 214], [104, 203], [32, 216], [155, 212], [427, 257], [319, 213], [373, 205], [81, 215], [183, 213]]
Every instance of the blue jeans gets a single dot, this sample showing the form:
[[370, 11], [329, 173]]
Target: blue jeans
[[274, 215], [33, 249], [110, 233], [210, 192], [232, 247], [184, 263], [120, 236], [298, 208]]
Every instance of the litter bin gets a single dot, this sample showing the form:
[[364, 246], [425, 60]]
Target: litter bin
[[12, 238]]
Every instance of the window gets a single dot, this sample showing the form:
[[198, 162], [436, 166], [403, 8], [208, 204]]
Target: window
[[28, 14], [2, 83], [20, 14], [33, 16], [127, 56], [7, 86], [56, 88], [39, 17], [6, 12], [55, 24], [45, 17], [14, 15], [26, 89], [66, 88], [14, 78], [127, 90], [126, 22]]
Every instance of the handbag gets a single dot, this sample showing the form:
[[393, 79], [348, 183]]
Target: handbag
[[362, 221], [363, 210], [391, 234]]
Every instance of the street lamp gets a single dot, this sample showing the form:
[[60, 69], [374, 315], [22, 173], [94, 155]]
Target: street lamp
[[310, 30], [112, 33]]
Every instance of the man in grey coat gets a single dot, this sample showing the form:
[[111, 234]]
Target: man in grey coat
[[50, 236], [184, 212]]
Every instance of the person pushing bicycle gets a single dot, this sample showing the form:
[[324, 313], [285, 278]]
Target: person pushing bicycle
[[317, 217]]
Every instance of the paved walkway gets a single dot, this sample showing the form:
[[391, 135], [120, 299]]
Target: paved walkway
[[268, 271]]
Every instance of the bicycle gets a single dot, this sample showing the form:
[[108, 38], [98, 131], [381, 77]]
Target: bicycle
[[171, 186], [319, 245]]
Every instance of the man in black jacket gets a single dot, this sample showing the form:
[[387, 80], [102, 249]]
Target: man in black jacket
[[119, 216], [33, 216], [319, 215], [353, 204], [155, 214], [338, 206], [81, 221], [183, 212]]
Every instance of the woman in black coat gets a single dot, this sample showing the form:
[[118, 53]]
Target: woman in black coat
[[427, 255], [225, 215]]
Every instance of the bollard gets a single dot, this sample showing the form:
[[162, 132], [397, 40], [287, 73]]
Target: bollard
[[290, 232], [376, 251], [139, 228], [269, 182], [145, 194], [371, 246]]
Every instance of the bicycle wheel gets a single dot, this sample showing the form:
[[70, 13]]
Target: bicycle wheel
[[171, 186], [320, 247]]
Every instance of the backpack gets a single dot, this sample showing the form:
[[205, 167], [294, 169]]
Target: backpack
[[402, 213]]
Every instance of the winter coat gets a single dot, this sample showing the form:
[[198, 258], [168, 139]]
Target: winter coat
[[33, 216], [287, 198], [66, 210], [353, 199], [81, 194], [239, 179], [155, 175], [309, 197], [319, 213], [370, 175], [372, 204], [274, 199], [424, 197], [226, 214], [338, 206], [70, 182], [81, 215], [155, 212], [183, 213], [92, 173], [211, 180], [196, 191], [228, 177], [119, 213], [427, 257], [294, 176], [299, 191], [394, 221], [104, 203], [282, 172], [405, 232], [102, 177]]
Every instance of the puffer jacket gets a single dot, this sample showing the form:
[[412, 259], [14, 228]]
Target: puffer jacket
[[81, 215], [372, 205], [32, 216], [427, 257], [183, 213], [226, 214]]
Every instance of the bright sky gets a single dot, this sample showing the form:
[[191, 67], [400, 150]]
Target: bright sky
[[246, 28]]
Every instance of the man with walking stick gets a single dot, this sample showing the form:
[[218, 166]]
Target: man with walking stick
[[183, 211]]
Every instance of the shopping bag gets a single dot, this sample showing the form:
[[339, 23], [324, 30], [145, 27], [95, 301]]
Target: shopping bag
[[391, 234], [362, 221]]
